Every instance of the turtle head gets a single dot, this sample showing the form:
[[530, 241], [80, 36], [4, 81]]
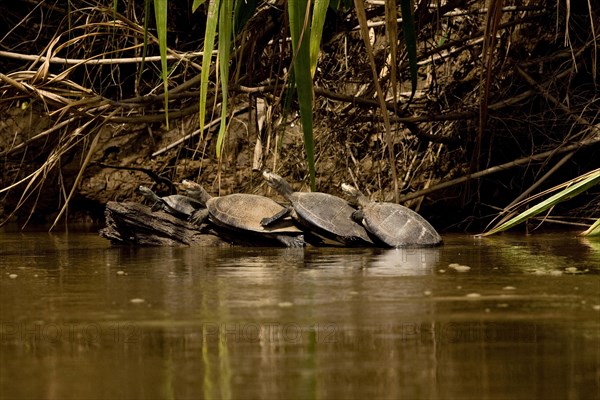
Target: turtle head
[[147, 192], [350, 190], [356, 196], [195, 191], [277, 183]]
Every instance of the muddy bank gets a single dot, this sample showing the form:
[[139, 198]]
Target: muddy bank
[[74, 136], [123, 157]]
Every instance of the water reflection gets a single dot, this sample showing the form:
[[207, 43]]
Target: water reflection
[[406, 261], [85, 320]]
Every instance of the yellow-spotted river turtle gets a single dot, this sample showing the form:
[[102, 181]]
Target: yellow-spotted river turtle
[[393, 224], [243, 213], [322, 213], [176, 204]]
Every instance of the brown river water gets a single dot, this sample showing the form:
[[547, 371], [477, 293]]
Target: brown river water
[[512, 317]]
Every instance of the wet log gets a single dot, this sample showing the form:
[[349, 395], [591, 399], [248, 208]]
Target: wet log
[[136, 224]]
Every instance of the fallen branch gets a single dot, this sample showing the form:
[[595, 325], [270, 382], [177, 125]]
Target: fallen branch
[[92, 61], [136, 224]]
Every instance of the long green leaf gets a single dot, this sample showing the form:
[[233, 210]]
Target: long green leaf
[[212, 20], [196, 4], [563, 195], [225, 32], [300, 32], [242, 12], [410, 39], [160, 15], [593, 230], [316, 32], [145, 46]]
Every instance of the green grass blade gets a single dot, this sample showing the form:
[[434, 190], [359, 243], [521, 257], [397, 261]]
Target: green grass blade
[[225, 33], [160, 15], [145, 45], [316, 31], [593, 230], [242, 12], [196, 4], [212, 19], [410, 38], [300, 32], [563, 195]]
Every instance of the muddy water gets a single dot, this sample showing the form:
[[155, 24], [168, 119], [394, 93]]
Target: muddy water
[[506, 317]]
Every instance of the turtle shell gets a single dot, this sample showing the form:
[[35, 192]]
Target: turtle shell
[[399, 226], [329, 214], [180, 204], [245, 211]]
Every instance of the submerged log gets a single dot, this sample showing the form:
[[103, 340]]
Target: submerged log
[[134, 223]]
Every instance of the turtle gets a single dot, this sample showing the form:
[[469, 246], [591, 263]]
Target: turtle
[[175, 204], [393, 224], [325, 214], [242, 213]]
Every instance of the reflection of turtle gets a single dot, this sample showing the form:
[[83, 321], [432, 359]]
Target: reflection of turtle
[[243, 213], [323, 213], [176, 204], [393, 224]]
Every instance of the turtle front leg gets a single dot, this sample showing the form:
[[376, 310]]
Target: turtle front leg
[[277, 217], [198, 217], [157, 206]]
